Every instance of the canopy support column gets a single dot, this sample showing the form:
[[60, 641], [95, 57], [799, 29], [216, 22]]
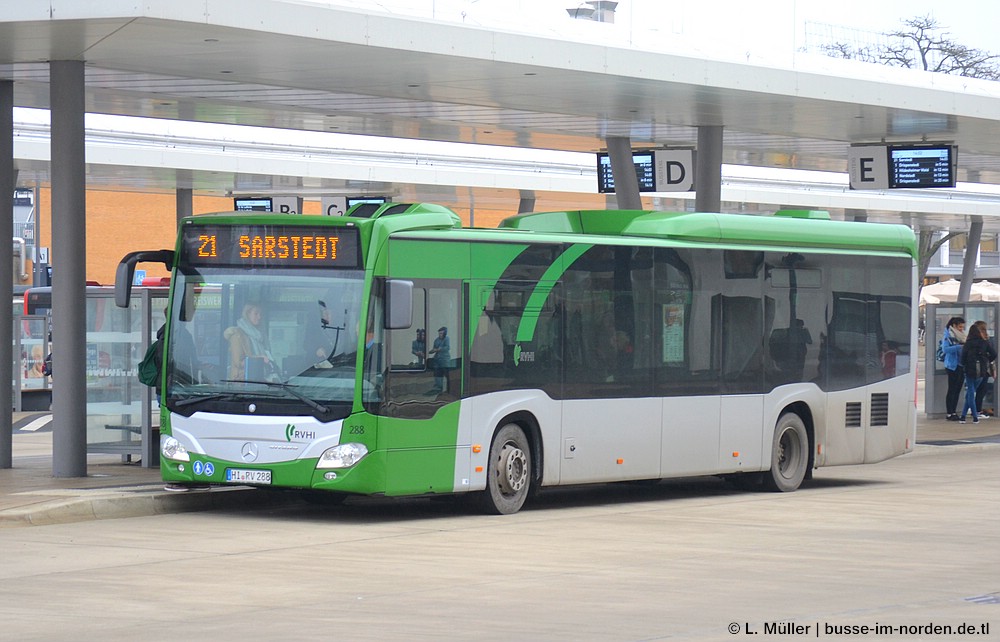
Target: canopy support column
[[527, 202], [623, 171], [185, 200], [8, 181], [69, 258], [971, 256], [708, 169]]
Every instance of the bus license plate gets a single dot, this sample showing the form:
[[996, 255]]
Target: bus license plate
[[243, 476]]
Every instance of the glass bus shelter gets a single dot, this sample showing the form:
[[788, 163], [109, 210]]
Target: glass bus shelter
[[935, 376], [122, 413]]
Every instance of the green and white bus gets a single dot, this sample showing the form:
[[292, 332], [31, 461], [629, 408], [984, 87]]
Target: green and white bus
[[397, 353]]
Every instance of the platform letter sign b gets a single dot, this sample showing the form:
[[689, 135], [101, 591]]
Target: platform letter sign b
[[287, 204]]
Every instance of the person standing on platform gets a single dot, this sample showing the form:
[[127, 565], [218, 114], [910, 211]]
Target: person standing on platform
[[984, 387], [951, 345], [977, 353]]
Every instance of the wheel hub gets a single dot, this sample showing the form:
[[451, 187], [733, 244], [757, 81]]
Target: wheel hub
[[787, 451], [513, 469]]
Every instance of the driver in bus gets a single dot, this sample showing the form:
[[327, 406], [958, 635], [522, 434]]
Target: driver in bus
[[249, 354]]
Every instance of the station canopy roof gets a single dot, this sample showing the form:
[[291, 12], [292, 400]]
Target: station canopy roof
[[319, 67]]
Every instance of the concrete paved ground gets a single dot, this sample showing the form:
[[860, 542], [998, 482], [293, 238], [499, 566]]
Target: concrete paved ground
[[909, 542], [30, 495]]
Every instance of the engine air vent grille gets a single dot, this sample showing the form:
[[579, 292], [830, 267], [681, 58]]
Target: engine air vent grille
[[880, 409], [852, 414]]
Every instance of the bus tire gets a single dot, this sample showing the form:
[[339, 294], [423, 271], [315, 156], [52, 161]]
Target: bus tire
[[789, 454], [508, 471]]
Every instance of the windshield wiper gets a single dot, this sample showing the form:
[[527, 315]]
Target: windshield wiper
[[211, 397], [342, 359], [288, 387]]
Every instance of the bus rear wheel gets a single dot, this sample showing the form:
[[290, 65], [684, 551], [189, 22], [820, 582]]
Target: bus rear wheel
[[789, 454], [508, 473]]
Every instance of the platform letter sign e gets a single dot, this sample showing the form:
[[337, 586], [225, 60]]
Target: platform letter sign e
[[868, 167]]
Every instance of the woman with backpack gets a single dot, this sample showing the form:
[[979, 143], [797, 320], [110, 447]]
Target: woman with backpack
[[977, 353], [950, 352]]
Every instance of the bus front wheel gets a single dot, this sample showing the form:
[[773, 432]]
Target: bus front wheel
[[789, 454], [508, 473]]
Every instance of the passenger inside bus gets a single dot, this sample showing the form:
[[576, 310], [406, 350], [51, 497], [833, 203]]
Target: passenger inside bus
[[418, 348], [440, 353]]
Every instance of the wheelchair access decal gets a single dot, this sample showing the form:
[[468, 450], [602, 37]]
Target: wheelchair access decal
[[203, 468]]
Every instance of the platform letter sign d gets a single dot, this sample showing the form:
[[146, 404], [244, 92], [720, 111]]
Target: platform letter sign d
[[674, 170]]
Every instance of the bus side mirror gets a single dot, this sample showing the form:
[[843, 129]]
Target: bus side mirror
[[399, 304], [126, 271]]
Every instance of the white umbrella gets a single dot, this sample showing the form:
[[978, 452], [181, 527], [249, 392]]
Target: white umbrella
[[947, 292]]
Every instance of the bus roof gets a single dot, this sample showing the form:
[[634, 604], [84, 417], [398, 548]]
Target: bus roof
[[801, 228], [786, 228]]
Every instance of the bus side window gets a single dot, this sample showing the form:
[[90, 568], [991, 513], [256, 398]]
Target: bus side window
[[424, 369], [408, 347], [444, 340]]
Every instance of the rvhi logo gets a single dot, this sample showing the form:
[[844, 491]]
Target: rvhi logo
[[292, 432], [522, 356]]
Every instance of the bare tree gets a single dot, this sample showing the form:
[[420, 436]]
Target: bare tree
[[927, 246], [850, 52], [922, 44]]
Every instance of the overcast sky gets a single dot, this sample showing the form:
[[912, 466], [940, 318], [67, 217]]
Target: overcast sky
[[764, 25], [717, 26], [974, 21]]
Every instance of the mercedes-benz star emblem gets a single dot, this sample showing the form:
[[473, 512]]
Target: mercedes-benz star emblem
[[250, 451]]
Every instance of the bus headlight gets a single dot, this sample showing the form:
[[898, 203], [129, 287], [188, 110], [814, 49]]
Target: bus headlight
[[342, 456], [173, 449]]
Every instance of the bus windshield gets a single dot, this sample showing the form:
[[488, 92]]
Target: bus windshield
[[268, 341]]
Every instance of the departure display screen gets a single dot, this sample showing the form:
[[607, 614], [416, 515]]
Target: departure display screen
[[645, 172], [922, 166], [255, 246]]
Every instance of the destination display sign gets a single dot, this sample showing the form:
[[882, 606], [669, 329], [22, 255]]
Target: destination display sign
[[921, 166], [270, 246]]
